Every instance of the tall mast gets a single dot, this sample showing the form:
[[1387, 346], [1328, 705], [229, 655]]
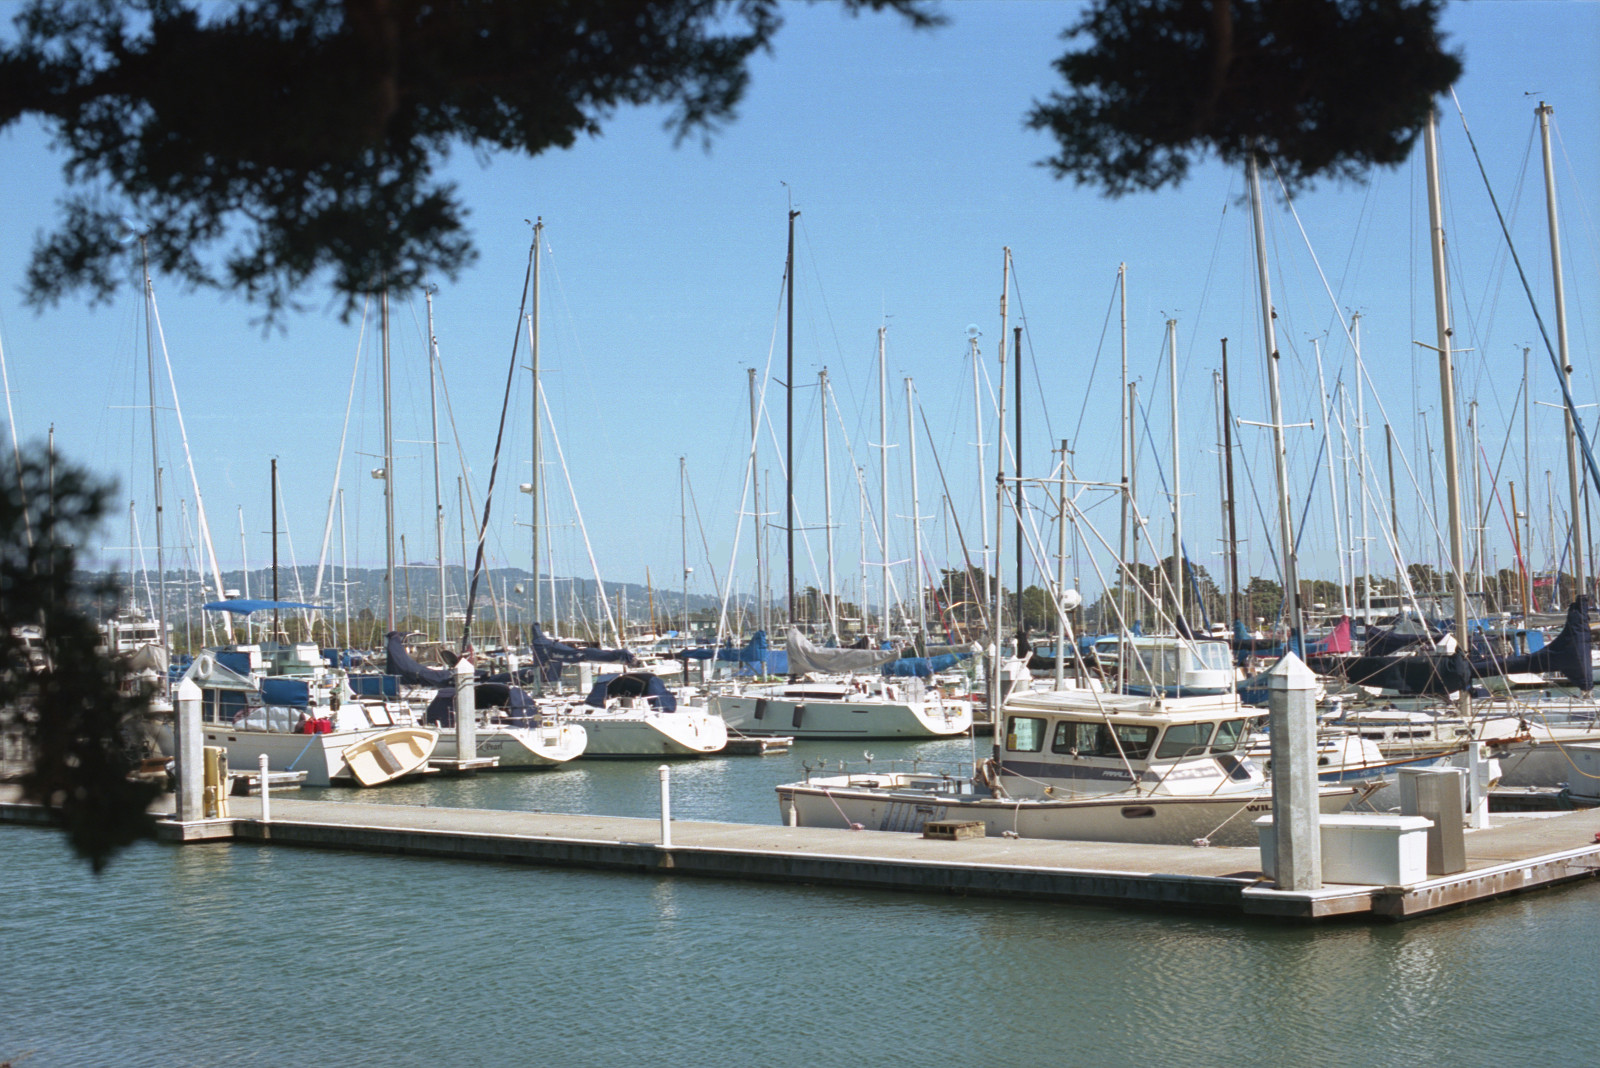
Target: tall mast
[[883, 474], [1061, 571], [1527, 487], [827, 502], [538, 437], [155, 461], [788, 390], [1233, 529], [1333, 484], [1016, 453], [755, 487], [244, 564], [683, 542], [1133, 496], [983, 472], [1177, 484], [1361, 471], [1122, 399], [1447, 392], [388, 468], [996, 634], [1291, 570], [1478, 513], [438, 495], [916, 514], [1573, 471], [344, 558], [275, 550]]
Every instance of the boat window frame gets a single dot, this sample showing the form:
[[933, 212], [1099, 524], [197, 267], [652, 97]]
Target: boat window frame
[[1038, 722], [1111, 741], [1191, 748], [1238, 739]]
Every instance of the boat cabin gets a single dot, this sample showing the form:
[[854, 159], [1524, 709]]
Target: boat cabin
[[1067, 742], [1171, 667]]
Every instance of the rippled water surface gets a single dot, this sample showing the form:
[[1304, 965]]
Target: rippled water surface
[[247, 955]]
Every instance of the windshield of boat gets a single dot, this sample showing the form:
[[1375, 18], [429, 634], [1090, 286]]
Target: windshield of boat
[[1098, 740], [1189, 739]]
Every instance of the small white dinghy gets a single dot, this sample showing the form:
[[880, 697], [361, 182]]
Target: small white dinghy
[[391, 755]]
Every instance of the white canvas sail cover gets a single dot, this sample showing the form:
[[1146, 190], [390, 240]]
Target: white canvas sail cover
[[806, 658]]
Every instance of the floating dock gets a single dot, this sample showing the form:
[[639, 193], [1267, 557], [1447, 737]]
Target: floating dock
[[1520, 852]]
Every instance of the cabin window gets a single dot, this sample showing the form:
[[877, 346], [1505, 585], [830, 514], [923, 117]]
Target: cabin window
[[1184, 739], [1101, 740], [1229, 734], [1024, 734]]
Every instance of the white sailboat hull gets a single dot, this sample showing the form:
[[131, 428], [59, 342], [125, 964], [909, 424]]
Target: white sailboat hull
[[320, 756], [522, 747], [640, 733], [869, 717]]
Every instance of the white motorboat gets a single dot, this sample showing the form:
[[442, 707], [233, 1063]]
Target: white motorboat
[[1074, 764], [635, 715], [863, 707]]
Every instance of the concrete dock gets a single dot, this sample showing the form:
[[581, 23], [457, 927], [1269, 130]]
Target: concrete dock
[[1520, 852]]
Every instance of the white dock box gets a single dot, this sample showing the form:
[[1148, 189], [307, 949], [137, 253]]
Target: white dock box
[[1374, 849], [1583, 782]]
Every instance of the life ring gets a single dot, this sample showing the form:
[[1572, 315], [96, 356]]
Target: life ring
[[204, 664]]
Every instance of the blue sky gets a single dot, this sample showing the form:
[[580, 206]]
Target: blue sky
[[907, 156]]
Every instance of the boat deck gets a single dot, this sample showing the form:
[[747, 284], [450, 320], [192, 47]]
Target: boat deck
[[1520, 852]]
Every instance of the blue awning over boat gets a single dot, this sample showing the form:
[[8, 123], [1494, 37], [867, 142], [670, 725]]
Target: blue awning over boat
[[243, 607]]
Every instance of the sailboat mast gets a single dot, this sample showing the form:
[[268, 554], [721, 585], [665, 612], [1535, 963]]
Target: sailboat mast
[[155, 460], [1447, 391], [1333, 483], [1122, 399], [983, 471], [1016, 454], [1361, 471], [683, 543], [438, 495], [827, 502], [788, 390], [1291, 571], [755, 490], [1233, 527], [998, 595], [275, 549], [916, 514], [1177, 483], [388, 468], [883, 475], [1560, 294], [537, 472]]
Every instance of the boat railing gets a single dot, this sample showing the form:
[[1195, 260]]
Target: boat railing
[[931, 774]]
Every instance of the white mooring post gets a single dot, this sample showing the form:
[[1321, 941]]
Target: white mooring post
[[1295, 814], [666, 806], [190, 759], [466, 711], [266, 793]]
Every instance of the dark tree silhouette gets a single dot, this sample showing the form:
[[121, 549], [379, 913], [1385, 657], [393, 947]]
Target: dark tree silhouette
[[1322, 87], [302, 136], [56, 688]]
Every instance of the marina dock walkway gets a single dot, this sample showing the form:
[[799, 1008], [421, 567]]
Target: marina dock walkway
[[1520, 852]]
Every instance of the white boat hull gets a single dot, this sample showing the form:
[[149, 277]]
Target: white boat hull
[[1120, 817], [812, 718], [320, 756], [636, 733], [522, 747]]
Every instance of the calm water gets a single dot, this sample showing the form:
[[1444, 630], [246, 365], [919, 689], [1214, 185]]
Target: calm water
[[235, 955]]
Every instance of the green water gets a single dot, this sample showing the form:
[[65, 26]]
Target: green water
[[244, 955]]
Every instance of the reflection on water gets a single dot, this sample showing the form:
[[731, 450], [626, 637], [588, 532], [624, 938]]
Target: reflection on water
[[253, 955]]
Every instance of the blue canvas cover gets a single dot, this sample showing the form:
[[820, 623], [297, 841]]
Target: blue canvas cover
[[291, 693], [550, 656], [632, 684], [399, 662], [1567, 654], [519, 709], [922, 667], [756, 657]]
